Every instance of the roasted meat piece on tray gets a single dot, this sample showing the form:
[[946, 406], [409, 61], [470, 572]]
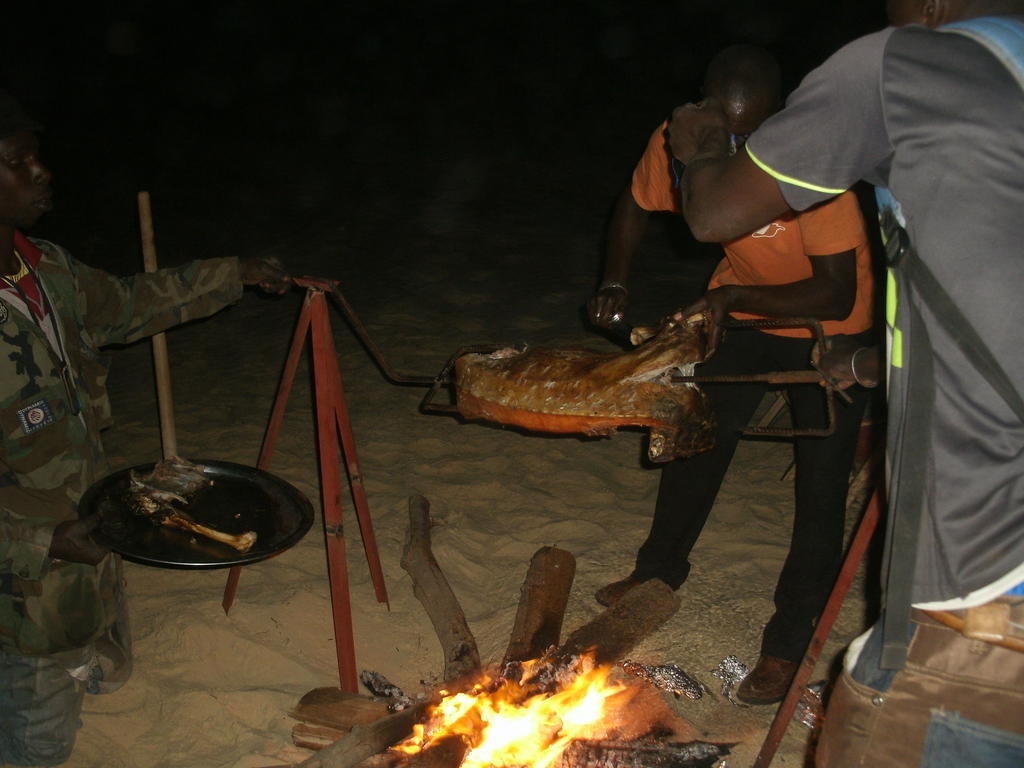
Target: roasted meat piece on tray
[[160, 494], [592, 393]]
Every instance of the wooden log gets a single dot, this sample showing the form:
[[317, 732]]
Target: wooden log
[[642, 754], [364, 741], [612, 634], [445, 752], [381, 760], [542, 602], [431, 588], [338, 709], [315, 737]]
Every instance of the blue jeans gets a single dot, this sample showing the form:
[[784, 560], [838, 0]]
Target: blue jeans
[[954, 742]]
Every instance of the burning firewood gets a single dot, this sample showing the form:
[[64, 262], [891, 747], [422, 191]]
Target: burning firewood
[[176, 481], [365, 741], [642, 754], [571, 693], [447, 752]]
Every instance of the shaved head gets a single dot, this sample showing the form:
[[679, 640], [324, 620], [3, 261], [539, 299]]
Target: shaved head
[[746, 80]]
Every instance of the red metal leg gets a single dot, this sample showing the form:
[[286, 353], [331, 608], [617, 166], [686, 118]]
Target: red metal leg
[[355, 479], [858, 547], [330, 489], [230, 588], [284, 390]]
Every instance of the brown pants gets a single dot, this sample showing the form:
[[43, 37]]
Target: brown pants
[[945, 674]]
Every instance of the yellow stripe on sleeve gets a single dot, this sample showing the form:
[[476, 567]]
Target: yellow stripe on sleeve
[[789, 179], [890, 298]]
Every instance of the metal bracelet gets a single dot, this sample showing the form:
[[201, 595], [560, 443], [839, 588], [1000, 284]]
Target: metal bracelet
[[853, 364], [613, 284]]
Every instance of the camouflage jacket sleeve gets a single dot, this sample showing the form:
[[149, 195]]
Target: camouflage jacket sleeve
[[118, 310]]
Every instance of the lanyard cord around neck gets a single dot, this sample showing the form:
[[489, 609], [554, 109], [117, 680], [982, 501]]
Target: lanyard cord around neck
[[22, 269], [34, 304]]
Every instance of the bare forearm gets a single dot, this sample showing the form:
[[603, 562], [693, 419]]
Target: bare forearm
[[847, 362], [812, 297], [626, 230]]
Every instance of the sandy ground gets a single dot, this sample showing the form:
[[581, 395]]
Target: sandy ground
[[474, 260]]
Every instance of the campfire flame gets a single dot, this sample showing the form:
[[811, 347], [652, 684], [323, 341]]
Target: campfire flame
[[510, 723]]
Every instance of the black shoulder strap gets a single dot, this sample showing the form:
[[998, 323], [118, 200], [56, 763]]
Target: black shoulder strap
[[906, 501]]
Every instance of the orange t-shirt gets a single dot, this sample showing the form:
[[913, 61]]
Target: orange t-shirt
[[778, 253]]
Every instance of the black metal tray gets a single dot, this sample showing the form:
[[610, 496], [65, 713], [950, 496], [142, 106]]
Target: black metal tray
[[241, 499]]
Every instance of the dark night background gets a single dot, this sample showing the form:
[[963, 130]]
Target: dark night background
[[253, 122]]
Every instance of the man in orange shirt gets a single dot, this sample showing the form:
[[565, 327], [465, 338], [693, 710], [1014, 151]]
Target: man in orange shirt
[[811, 264]]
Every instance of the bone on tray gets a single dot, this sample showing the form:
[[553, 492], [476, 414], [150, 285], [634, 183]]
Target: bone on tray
[[587, 392], [172, 484]]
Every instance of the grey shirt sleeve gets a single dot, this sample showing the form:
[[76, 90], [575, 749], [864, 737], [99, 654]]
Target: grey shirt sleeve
[[832, 131]]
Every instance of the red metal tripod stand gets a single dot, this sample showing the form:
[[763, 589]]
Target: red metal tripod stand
[[332, 422]]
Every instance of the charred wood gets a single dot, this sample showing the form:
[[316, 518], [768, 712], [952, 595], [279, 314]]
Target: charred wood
[[543, 599], [364, 741], [445, 752], [642, 754], [338, 709], [433, 591]]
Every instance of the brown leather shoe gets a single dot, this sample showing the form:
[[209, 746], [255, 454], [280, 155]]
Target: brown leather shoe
[[768, 682], [612, 593]]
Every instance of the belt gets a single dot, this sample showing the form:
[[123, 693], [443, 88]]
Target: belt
[[991, 623]]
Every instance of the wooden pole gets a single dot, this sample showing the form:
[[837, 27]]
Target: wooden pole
[[164, 395]]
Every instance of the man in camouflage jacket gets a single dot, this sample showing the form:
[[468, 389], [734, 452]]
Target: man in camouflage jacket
[[61, 601]]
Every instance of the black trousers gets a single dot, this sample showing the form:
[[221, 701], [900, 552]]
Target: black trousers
[[689, 486]]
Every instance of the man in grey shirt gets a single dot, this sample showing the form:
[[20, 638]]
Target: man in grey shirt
[[936, 115]]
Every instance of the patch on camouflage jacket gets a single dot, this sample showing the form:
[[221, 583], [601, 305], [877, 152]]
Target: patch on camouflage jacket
[[35, 416]]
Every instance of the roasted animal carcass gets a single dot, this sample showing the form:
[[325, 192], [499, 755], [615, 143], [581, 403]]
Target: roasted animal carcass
[[593, 393], [175, 481]]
